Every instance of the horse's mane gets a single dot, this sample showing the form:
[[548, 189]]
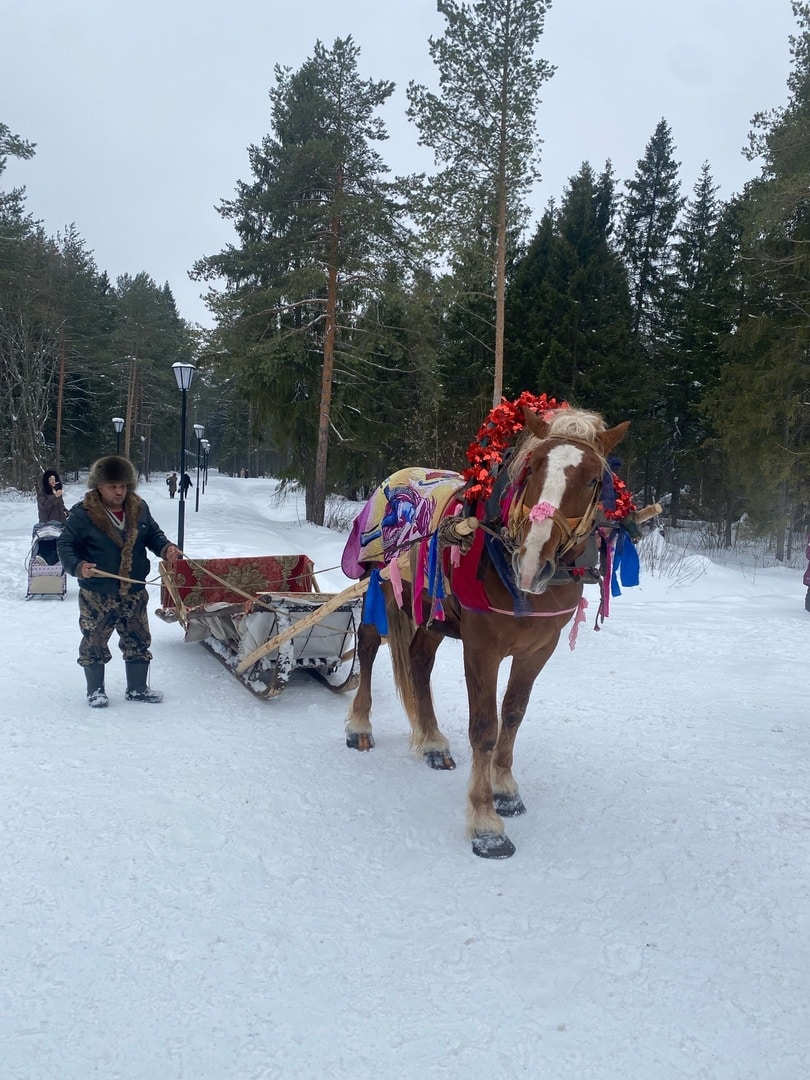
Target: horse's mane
[[571, 423]]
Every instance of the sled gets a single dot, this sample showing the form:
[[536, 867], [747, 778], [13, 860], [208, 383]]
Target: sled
[[46, 575], [264, 617]]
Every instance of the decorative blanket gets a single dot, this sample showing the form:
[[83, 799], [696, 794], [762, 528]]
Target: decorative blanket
[[404, 510]]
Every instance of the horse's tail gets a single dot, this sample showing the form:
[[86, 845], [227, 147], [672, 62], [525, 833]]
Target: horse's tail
[[401, 629]]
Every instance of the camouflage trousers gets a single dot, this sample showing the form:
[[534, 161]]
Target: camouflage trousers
[[101, 613]]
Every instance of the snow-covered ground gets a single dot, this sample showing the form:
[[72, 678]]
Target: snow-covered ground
[[216, 888]]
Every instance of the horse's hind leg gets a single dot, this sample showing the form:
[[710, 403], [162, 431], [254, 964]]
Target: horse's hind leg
[[425, 733], [358, 725]]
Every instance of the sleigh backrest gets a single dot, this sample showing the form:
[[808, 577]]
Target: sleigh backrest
[[195, 583]]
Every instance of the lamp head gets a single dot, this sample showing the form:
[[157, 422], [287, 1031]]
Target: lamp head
[[183, 373]]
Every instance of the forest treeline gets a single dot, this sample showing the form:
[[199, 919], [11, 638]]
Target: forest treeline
[[365, 321]]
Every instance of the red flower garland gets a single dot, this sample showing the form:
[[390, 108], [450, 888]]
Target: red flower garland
[[624, 502], [498, 432]]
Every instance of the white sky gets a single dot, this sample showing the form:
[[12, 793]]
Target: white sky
[[142, 112], [216, 888]]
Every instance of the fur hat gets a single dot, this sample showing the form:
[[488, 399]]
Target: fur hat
[[112, 470], [46, 487]]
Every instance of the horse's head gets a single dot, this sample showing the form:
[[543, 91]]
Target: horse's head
[[558, 472]]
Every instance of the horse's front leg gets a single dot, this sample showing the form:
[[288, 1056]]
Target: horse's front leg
[[505, 794], [358, 725], [425, 733], [485, 826]]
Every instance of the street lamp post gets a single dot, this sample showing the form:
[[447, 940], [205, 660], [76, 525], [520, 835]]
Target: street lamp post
[[199, 431], [118, 424], [206, 445], [183, 373]]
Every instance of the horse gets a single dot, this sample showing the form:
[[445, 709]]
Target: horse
[[525, 559]]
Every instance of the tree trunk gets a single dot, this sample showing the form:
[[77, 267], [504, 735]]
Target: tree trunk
[[60, 395], [500, 297], [318, 509], [500, 238], [132, 394]]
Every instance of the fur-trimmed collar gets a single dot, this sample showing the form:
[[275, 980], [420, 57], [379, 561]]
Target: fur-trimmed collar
[[124, 539]]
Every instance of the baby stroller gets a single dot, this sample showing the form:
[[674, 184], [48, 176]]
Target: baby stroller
[[46, 575]]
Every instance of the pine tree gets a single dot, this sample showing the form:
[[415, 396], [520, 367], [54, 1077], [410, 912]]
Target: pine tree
[[482, 128], [392, 372], [316, 228]]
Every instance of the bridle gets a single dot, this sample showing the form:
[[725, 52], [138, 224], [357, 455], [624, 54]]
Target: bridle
[[573, 529]]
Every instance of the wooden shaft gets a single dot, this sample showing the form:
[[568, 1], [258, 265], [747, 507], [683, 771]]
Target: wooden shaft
[[327, 608]]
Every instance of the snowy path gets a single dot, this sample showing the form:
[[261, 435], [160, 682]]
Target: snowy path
[[217, 889]]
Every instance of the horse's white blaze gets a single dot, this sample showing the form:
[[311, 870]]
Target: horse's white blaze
[[558, 460]]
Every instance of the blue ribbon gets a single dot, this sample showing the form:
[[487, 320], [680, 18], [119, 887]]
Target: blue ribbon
[[625, 563], [374, 605], [435, 576]]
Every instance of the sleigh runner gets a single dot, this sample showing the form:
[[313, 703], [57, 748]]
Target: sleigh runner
[[265, 617]]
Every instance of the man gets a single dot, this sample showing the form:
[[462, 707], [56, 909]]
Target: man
[[185, 484], [110, 531]]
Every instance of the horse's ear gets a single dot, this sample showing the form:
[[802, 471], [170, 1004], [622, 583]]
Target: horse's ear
[[536, 425], [608, 439]]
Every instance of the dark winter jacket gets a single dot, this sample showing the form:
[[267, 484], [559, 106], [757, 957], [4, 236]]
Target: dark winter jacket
[[49, 506], [806, 578], [90, 536]]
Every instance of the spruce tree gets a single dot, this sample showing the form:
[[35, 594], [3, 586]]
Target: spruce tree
[[650, 211], [568, 308], [149, 336], [700, 322], [760, 404]]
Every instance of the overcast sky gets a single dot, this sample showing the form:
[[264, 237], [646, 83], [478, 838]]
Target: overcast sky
[[142, 112]]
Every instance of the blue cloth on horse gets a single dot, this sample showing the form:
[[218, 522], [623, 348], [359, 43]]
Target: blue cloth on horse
[[435, 577], [503, 564], [625, 563], [374, 606], [608, 497]]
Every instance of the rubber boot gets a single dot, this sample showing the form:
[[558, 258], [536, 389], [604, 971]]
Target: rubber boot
[[96, 694], [137, 690]]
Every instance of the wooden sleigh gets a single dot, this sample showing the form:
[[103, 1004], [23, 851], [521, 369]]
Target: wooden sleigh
[[265, 617]]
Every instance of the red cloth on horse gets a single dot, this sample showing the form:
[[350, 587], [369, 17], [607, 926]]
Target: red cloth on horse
[[467, 587]]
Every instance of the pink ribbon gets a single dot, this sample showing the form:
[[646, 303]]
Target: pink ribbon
[[396, 581], [542, 511], [579, 618]]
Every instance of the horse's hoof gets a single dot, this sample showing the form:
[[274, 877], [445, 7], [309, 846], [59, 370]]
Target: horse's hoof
[[359, 740], [439, 759], [508, 805], [492, 845]]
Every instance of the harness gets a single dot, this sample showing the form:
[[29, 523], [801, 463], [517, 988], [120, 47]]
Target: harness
[[508, 514]]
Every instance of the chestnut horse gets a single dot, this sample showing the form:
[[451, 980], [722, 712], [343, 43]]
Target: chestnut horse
[[555, 479]]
